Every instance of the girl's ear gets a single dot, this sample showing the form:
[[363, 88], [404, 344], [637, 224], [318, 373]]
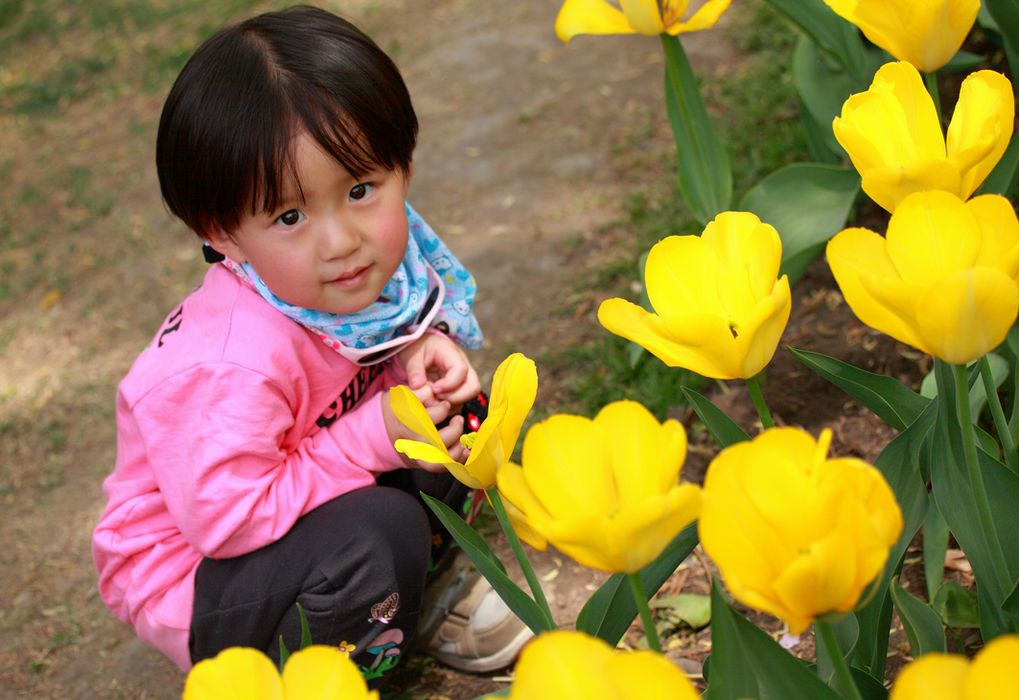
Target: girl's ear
[[225, 243]]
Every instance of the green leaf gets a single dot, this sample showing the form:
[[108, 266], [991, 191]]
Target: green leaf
[[977, 394], [832, 33], [956, 606], [822, 87], [705, 176], [900, 464], [1002, 180], [892, 401], [950, 484], [488, 564], [694, 609], [935, 544], [305, 629], [807, 203], [962, 62], [722, 428], [1006, 16], [847, 634], [284, 654], [747, 663], [610, 610], [923, 626]]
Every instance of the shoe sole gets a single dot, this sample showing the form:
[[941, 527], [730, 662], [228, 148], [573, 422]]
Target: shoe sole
[[497, 661]]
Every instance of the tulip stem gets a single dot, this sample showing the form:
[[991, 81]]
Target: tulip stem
[[640, 598], [518, 550], [754, 387], [1000, 424], [931, 81], [976, 477], [843, 675]]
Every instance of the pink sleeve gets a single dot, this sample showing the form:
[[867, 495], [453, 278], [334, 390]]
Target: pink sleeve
[[235, 476]]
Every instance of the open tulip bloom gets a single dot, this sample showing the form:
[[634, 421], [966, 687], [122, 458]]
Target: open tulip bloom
[[649, 17], [927, 33], [313, 672], [567, 664], [604, 491], [793, 533], [718, 308], [943, 279], [893, 135], [514, 388], [991, 675]]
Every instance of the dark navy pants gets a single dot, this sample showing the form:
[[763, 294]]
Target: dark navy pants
[[356, 564]]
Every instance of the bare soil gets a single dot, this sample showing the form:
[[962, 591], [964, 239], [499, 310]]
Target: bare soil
[[528, 150]]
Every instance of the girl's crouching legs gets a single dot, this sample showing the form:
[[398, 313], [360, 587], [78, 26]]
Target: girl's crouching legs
[[357, 566]]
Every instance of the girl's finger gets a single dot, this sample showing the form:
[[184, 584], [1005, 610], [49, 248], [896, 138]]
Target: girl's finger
[[450, 434]]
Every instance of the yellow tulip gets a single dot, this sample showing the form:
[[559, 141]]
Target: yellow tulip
[[927, 33], [892, 134], [604, 491], [793, 533], [567, 664], [649, 17], [514, 388], [943, 279], [719, 310], [239, 673], [990, 676]]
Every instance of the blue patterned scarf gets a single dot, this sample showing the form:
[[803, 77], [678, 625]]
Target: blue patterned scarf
[[402, 298]]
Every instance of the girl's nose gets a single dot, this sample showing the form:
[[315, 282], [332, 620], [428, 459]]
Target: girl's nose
[[338, 239]]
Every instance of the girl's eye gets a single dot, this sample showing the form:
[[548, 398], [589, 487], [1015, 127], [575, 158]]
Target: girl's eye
[[361, 190], [291, 217]]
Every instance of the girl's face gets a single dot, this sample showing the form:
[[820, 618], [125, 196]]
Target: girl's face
[[336, 249]]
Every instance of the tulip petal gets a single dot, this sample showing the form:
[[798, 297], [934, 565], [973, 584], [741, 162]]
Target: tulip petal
[[681, 274], [521, 505], [409, 410], [981, 126], [644, 16], [323, 672], [747, 256], [932, 677], [647, 676], [712, 357], [992, 674], [237, 672], [889, 186], [931, 235], [487, 453], [975, 310], [999, 228], [645, 529], [514, 386], [562, 452], [857, 254], [590, 17], [706, 16], [644, 455], [758, 338], [561, 664], [818, 581]]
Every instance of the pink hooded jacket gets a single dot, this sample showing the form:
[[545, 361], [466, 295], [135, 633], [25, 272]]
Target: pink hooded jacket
[[232, 424]]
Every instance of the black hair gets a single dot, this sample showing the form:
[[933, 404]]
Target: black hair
[[227, 131]]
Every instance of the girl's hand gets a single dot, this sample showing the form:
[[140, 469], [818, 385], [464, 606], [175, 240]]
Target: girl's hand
[[438, 411], [435, 362]]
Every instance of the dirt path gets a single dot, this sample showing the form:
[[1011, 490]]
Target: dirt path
[[528, 149]]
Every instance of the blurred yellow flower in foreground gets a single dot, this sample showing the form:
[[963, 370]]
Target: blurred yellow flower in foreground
[[793, 533], [944, 277], [239, 673], [604, 491], [991, 675], [719, 310], [514, 388], [892, 134], [567, 664], [927, 33], [650, 17]]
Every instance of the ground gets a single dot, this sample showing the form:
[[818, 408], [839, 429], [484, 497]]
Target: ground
[[528, 150]]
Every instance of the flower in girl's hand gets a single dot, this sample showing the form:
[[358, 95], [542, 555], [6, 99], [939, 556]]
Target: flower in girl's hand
[[514, 388]]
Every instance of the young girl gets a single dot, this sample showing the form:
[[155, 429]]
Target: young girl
[[255, 462]]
